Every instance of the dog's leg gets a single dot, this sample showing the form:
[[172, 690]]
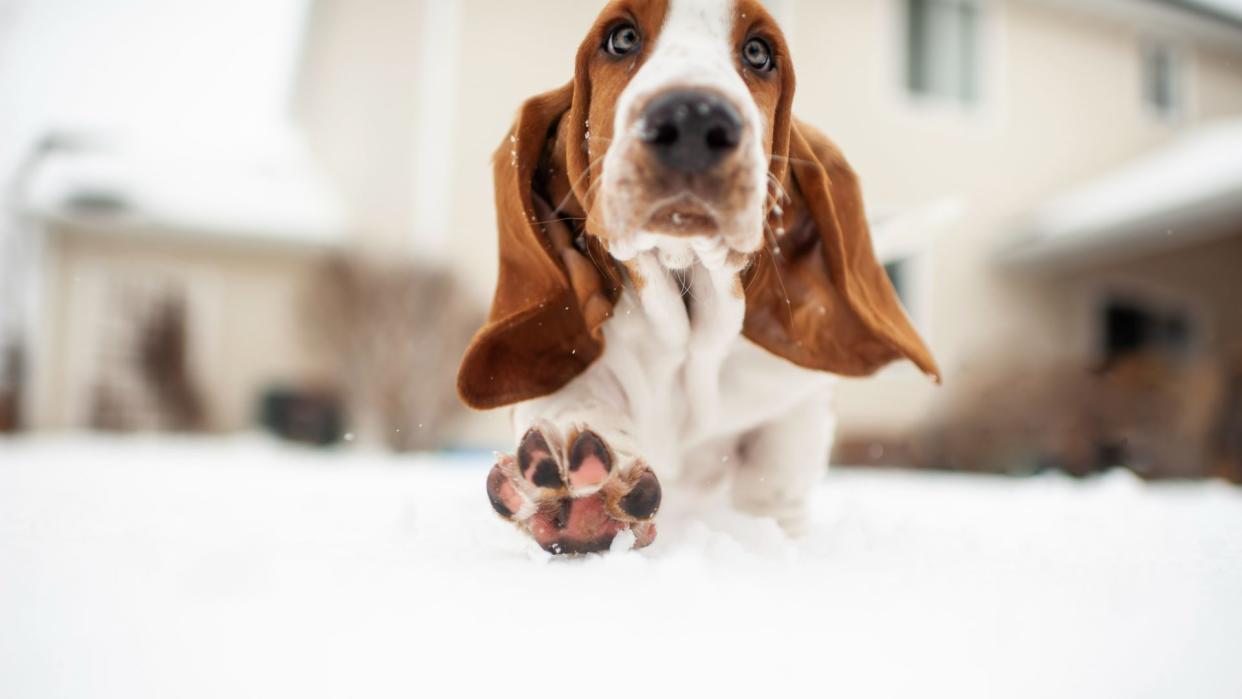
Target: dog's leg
[[577, 481], [781, 462], [719, 308]]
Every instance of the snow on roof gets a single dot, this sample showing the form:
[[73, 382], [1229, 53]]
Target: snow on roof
[[1174, 193], [267, 189], [1226, 9]]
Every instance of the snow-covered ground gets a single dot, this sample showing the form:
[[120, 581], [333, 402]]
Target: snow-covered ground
[[241, 568]]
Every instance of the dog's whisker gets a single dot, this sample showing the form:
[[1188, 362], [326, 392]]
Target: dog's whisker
[[586, 172], [780, 189], [776, 267], [688, 290], [590, 192]]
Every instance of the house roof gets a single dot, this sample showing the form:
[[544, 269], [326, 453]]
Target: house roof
[[268, 190], [1225, 10], [1187, 190], [1216, 23]]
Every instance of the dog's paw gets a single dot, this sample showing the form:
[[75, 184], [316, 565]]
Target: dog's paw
[[574, 495]]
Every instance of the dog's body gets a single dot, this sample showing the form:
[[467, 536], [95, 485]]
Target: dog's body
[[684, 267], [680, 388]]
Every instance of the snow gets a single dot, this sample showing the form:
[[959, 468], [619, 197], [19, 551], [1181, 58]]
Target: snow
[[239, 567], [189, 137], [1170, 191], [270, 189], [1203, 165]]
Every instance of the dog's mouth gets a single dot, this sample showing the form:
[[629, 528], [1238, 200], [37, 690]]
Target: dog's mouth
[[685, 215], [648, 206]]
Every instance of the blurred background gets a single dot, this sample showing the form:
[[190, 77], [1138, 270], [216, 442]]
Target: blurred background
[[225, 216]]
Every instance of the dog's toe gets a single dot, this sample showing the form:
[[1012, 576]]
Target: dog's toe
[[536, 463], [504, 497], [590, 461], [643, 500]]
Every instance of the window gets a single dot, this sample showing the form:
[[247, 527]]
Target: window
[[908, 275], [942, 49], [899, 275], [1163, 84], [1134, 328]]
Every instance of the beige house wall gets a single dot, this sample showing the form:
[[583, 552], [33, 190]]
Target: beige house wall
[[357, 104], [1200, 279], [1218, 79], [247, 312]]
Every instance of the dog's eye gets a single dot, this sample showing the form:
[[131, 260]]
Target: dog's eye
[[757, 54], [623, 40]]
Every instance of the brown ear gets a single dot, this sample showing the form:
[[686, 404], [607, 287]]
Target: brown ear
[[551, 299], [817, 296]]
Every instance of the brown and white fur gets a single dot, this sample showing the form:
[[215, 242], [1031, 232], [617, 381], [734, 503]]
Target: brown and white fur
[[678, 393]]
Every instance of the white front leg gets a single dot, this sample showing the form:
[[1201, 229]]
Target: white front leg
[[718, 308], [595, 400], [783, 460]]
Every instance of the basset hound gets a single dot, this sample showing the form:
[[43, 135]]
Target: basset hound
[[684, 268]]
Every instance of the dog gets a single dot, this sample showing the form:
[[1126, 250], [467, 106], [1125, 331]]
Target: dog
[[684, 269]]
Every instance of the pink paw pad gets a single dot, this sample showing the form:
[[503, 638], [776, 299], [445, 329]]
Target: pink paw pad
[[589, 461]]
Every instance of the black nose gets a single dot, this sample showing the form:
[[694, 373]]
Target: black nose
[[689, 130]]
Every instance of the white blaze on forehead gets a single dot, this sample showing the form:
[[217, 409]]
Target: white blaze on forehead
[[698, 31], [694, 49]]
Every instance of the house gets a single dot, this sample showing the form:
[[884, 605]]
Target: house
[[165, 214], [193, 187], [1052, 181]]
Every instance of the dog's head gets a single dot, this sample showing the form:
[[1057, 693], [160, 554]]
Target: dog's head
[[676, 137], [686, 97]]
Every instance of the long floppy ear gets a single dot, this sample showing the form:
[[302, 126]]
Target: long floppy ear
[[820, 299], [551, 299]]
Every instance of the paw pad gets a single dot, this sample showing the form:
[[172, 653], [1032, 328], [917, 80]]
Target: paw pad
[[643, 500], [589, 460], [535, 462]]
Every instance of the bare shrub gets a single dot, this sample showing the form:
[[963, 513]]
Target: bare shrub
[[398, 332]]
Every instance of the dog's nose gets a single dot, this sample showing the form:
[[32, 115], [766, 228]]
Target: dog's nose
[[691, 130]]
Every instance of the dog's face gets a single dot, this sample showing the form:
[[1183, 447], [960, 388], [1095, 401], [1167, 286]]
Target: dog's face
[[683, 98], [676, 137]]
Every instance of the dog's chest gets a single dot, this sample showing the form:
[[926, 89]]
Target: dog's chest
[[676, 349]]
